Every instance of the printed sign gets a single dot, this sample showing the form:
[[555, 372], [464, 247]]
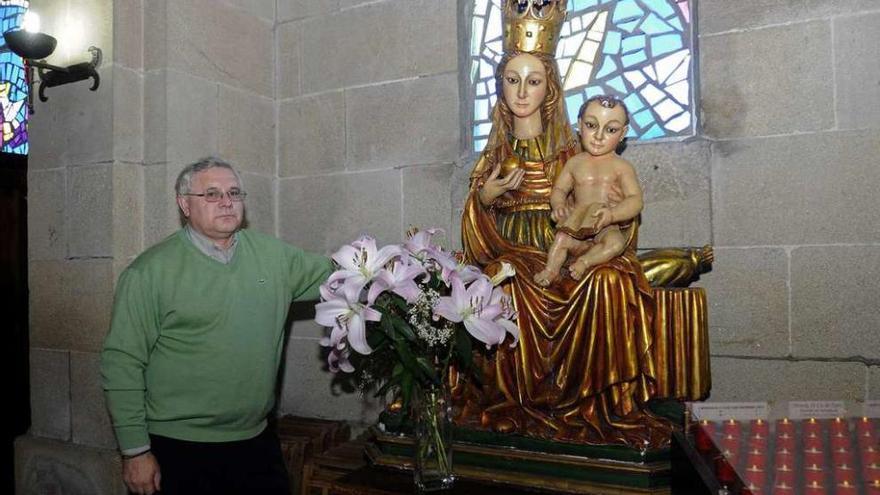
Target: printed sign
[[720, 411], [819, 409]]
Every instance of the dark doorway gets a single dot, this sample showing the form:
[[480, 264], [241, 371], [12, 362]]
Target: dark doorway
[[13, 283]]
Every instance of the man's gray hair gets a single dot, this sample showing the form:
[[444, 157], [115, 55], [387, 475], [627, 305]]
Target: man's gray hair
[[184, 180]]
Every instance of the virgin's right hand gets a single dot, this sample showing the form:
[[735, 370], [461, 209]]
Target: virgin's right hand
[[495, 186], [141, 474]]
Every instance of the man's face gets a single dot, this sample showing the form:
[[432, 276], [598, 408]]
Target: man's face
[[602, 128], [217, 221]]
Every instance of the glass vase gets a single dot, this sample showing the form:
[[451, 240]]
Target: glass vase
[[432, 411]]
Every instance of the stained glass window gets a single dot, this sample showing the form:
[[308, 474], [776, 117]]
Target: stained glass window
[[13, 83], [638, 50]]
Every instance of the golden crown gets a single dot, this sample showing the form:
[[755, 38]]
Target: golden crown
[[533, 25]]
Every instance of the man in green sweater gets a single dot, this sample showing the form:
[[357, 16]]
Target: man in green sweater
[[191, 360]]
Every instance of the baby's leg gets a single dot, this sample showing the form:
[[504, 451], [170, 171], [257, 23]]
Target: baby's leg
[[610, 243], [556, 256]]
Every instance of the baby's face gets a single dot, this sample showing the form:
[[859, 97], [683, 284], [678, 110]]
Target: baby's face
[[602, 129]]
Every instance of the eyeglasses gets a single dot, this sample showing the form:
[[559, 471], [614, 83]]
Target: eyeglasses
[[213, 195]]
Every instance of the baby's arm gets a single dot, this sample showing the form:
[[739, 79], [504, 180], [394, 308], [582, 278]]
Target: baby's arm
[[561, 188], [632, 202]]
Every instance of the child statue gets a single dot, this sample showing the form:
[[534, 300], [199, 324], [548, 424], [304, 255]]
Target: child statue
[[589, 229]]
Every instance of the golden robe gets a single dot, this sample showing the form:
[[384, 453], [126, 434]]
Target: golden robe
[[583, 368]]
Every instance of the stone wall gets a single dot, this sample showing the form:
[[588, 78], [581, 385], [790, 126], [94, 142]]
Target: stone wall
[[346, 117], [368, 135], [791, 107]]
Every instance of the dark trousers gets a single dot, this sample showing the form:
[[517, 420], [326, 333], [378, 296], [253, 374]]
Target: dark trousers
[[247, 467]]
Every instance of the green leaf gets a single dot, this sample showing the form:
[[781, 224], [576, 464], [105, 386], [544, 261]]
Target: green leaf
[[407, 358], [428, 369], [464, 348], [376, 340], [403, 327], [406, 389]]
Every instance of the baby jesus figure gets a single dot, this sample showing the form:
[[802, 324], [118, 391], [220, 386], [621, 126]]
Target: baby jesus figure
[[590, 228]]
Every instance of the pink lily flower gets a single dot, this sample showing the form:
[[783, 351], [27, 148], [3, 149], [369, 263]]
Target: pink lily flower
[[338, 360], [399, 278], [450, 266], [347, 317], [360, 263], [473, 306], [419, 243]]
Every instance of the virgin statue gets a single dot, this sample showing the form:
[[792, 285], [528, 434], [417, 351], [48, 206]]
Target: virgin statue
[[583, 369]]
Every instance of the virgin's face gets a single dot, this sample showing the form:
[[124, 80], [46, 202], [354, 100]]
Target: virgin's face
[[524, 84], [602, 128]]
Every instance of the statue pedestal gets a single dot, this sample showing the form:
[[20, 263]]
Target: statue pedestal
[[533, 464]]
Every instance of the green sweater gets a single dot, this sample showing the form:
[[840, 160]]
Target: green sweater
[[194, 345]]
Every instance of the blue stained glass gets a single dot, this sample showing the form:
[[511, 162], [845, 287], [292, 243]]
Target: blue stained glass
[[572, 105], [665, 44], [633, 43], [481, 110], [654, 132], [612, 43], [642, 118], [13, 86], [634, 58], [661, 7], [640, 37], [608, 67], [627, 10], [633, 103], [629, 26], [593, 91], [655, 25], [583, 4], [618, 84]]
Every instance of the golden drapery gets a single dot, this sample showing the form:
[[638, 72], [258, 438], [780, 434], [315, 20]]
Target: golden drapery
[[585, 365]]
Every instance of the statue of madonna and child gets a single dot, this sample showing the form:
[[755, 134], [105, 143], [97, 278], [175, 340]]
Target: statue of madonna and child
[[586, 364]]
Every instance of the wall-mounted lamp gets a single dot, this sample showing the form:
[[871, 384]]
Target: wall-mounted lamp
[[34, 46]]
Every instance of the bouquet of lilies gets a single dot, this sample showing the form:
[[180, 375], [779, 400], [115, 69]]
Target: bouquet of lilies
[[404, 313]]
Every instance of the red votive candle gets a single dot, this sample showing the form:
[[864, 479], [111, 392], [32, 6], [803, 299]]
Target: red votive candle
[[756, 458], [812, 441], [785, 440], [873, 487], [784, 456], [814, 473], [811, 425], [845, 488], [731, 427], [783, 488], [842, 456], [760, 426], [703, 436], [867, 439], [758, 440], [752, 489], [869, 455], [814, 456], [730, 443], [871, 472], [844, 472], [838, 424], [784, 425], [865, 424], [755, 474], [783, 474], [814, 488], [840, 439], [724, 470]]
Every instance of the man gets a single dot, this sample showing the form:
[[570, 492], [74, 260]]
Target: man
[[195, 341]]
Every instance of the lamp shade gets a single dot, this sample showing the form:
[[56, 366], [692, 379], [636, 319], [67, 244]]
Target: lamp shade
[[30, 45]]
